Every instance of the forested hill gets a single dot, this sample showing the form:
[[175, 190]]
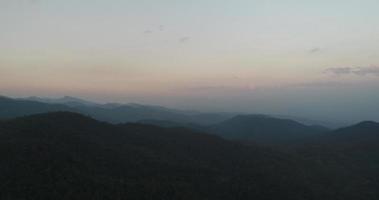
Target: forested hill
[[64, 155], [70, 156], [265, 129]]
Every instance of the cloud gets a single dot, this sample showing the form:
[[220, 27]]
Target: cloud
[[360, 71], [363, 71], [159, 28], [148, 32], [314, 50], [339, 70], [184, 39], [318, 84]]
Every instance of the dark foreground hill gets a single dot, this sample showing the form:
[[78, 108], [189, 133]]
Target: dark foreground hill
[[69, 156], [348, 156]]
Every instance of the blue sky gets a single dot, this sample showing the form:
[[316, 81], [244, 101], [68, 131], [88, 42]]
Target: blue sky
[[313, 58]]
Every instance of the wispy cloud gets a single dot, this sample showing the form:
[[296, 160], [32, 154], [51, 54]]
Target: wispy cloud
[[315, 50], [159, 28], [184, 39], [148, 32], [338, 70], [318, 84], [367, 71], [360, 71]]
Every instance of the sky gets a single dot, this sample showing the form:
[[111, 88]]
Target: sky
[[315, 59]]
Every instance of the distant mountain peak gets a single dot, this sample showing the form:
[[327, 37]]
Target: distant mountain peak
[[4, 97], [71, 98], [66, 100], [252, 116], [368, 124], [360, 129], [57, 117], [265, 129], [59, 114], [255, 118], [364, 125]]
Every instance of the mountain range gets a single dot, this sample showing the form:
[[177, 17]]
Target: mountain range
[[265, 129], [262, 129], [167, 114], [65, 155], [111, 112], [69, 156]]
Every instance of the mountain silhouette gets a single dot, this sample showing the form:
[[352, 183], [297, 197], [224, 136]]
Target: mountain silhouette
[[113, 113], [362, 129], [66, 100], [264, 129], [69, 156], [66, 155], [10, 108], [349, 157]]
